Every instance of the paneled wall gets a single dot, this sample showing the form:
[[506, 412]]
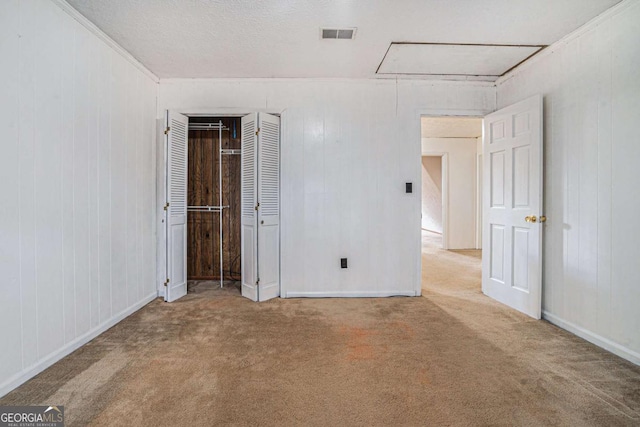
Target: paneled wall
[[348, 148], [591, 89], [76, 178]]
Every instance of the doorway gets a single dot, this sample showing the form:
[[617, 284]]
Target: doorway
[[506, 166], [451, 255], [213, 203]]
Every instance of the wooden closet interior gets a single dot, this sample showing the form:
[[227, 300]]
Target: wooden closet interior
[[213, 199]]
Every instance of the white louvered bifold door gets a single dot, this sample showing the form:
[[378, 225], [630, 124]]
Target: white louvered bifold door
[[249, 206], [178, 129], [269, 206]]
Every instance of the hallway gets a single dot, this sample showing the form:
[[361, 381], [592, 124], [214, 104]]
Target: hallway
[[449, 272]]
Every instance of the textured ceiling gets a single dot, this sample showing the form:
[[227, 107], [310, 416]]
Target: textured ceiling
[[451, 127], [280, 38]]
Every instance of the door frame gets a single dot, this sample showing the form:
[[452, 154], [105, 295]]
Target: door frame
[[419, 114], [444, 199], [161, 161]]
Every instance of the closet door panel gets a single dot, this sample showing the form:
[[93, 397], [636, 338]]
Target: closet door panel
[[249, 207], [177, 135], [269, 210]]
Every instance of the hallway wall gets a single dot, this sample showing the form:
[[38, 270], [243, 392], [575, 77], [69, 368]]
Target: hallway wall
[[461, 174], [432, 193]]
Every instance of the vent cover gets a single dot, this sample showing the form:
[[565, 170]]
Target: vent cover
[[338, 33]]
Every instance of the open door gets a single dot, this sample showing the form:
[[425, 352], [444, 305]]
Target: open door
[[268, 206], [512, 206], [177, 133], [249, 207], [260, 206]]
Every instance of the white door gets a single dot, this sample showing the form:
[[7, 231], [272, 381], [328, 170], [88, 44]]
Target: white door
[[512, 206], [249, 206], [177, 130], [268, 206], [260, 206]]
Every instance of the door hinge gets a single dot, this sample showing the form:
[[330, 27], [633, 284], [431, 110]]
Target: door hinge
[[166, 131], [258, 131], [257, 206], [166, 205], [258, 281], [166, 282]]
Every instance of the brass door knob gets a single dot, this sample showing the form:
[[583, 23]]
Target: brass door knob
[[543, 218], [531, 218]]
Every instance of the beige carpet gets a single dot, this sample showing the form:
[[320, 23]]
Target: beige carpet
[[452, 357]]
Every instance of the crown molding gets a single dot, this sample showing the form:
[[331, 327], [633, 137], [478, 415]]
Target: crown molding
[[66, 7]]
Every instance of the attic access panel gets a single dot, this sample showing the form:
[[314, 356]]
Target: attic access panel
[[453, 59]]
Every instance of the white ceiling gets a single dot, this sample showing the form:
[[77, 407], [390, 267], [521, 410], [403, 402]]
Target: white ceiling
[[451, 127], [281, 38]]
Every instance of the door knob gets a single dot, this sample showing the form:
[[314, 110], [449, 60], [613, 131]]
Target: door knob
[[531, 218], [543, 218]]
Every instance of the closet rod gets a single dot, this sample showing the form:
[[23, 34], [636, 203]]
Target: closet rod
[[208, 127], [205, 126], [212, 124], [206, 208]]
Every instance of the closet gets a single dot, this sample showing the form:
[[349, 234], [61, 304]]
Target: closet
[[219, 189], [213, 199]]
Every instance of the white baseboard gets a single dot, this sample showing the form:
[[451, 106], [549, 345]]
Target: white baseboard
[[33, 370], [615, 348], [349, 294]]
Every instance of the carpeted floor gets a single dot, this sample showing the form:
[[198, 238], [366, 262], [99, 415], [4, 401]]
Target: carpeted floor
[[452, 357]]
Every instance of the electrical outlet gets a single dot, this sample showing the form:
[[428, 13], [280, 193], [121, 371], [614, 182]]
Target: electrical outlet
[[343, 263]]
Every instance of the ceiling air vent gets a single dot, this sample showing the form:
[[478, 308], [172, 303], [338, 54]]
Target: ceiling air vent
[[338, 33]]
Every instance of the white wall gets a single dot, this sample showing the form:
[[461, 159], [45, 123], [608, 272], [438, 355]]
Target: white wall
[[432, 193], [479, 168], [76, 178], [348, 147], [591, 89], [461, 175]]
